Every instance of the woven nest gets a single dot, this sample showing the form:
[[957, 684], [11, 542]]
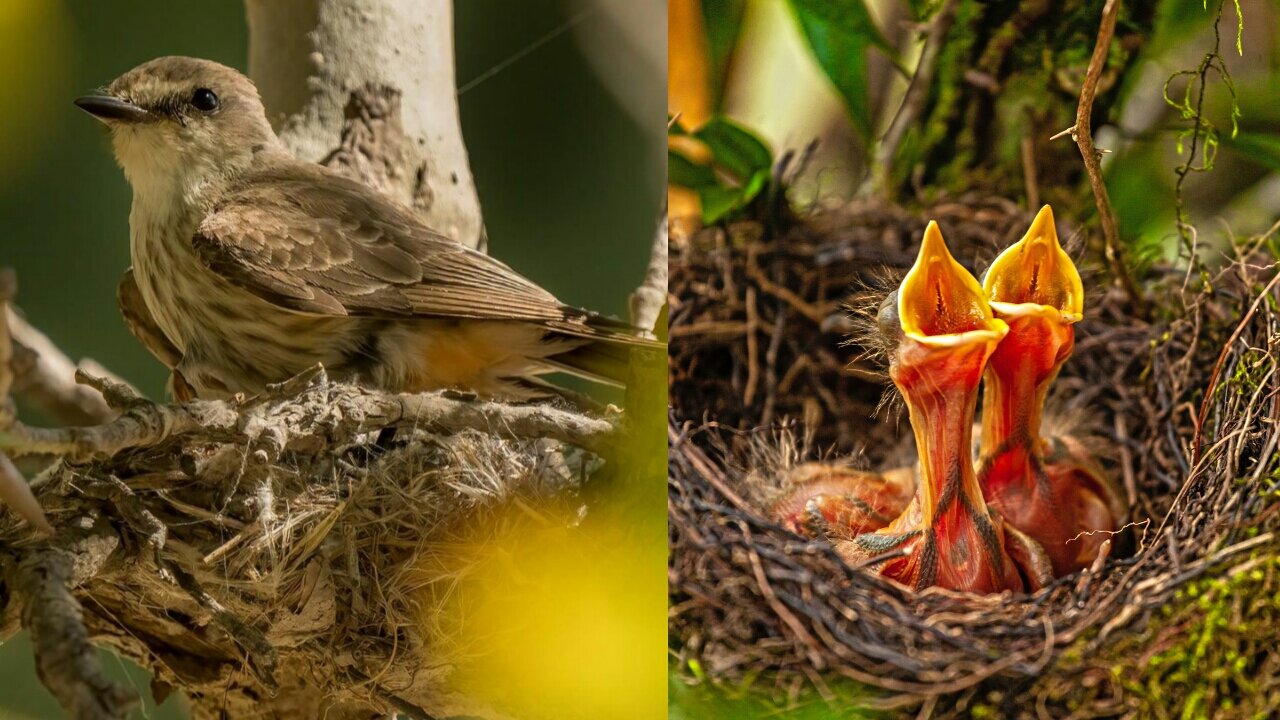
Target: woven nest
[[278, 556], [1181, 406]]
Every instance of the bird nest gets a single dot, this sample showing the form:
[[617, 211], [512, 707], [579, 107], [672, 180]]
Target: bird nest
[[295, 554], [1180, 401]]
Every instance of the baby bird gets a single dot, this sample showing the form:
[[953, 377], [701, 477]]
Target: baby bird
[[940, 331], [1051, 489]]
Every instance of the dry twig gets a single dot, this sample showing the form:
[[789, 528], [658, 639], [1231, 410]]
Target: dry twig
[[14, 491], [1083, 136], [43, 578]]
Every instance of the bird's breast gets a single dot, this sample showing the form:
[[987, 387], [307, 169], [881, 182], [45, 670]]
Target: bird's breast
[[231, 340]]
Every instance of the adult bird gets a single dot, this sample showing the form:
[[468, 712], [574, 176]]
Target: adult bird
[[251, 266]]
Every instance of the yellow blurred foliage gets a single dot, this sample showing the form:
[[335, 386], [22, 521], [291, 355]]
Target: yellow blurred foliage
[[34, 78], [565, 622]]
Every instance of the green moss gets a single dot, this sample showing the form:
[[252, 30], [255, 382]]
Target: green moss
[[983, 712], [758, 696], [1209, 653]]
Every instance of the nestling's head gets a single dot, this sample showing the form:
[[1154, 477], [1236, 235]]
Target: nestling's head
[[176, 119]]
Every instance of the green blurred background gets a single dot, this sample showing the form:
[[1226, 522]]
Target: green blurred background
[[566, 146]]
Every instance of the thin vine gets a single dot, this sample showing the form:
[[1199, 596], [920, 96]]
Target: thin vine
[[1202, 129]]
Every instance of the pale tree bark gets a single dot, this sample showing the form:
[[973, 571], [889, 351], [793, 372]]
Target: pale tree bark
[[368, 87]]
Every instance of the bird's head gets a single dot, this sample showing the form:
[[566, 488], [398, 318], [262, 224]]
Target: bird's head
[[939, 319], [1037, 273], [940, 331], [178, 120], [1035, 288]]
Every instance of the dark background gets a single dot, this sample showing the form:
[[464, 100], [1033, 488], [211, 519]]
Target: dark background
[[569, 181]]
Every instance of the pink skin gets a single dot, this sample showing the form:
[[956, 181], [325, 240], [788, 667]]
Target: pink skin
[[830, 500]]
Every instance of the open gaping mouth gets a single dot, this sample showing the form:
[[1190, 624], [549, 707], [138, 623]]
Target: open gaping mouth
[[940, 303], [944, 330], [1036, 273], [1036, 289]]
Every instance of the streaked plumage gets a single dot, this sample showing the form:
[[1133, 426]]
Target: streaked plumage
[[253, 265]]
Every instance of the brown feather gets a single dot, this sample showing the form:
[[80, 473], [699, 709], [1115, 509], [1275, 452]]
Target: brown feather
[[311, 241], [139, 321]]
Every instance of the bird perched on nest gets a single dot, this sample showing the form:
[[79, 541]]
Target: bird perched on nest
[[250, 266], [1053, 504]]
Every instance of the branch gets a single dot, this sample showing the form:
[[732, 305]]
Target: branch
[[45, 377], [67, 663], [1083, 135], [914, 99], [8, 288], [14, 490], [277, 415], [370, 85], [647, 300]]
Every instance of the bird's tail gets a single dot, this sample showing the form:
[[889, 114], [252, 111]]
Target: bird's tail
[[606, 355], [597, 360]]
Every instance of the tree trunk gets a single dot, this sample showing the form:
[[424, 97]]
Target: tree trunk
[[368, 87], [1008, 75]]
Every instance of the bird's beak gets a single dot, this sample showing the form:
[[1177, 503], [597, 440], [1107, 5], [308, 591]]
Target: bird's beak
[[940, 304], [947, 333], [109, 109], [1036, 271], [1035, 288]]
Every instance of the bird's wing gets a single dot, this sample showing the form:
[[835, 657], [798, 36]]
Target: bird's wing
[[137, 317], [325, 245]]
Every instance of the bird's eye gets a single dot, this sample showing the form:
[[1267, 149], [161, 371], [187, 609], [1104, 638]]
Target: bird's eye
[[204, 100]]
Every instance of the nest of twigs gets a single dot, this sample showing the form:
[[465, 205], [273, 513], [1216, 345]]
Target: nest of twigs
[[283, 555], [1182, 403]]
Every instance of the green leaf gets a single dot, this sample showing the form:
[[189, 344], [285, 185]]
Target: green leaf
[[740, 168], [735, 149], [718, 201], [684, 172], [839, 33], [723, 20], [1258, 147], [923, 9]]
